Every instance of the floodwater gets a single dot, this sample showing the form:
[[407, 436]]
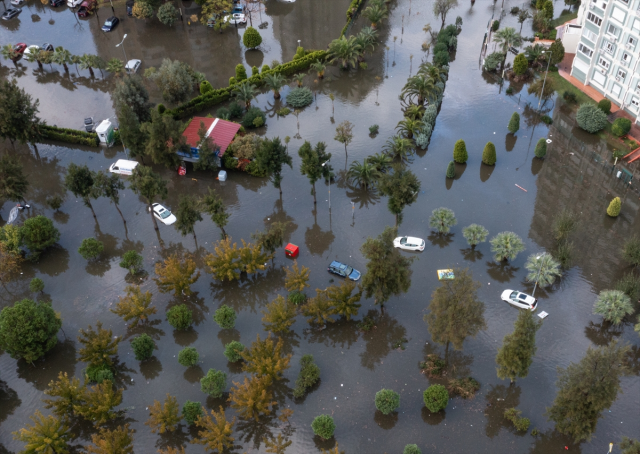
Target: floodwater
[[354, 365]]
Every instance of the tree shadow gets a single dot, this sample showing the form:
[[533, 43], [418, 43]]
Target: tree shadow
[[289, 341], [602, 333], [379, 339], [255, 431], [60, 217], [501, 272], [633, 359], [9, 401], [342, 332], [148, 328], [61, 358], [175, 438], [386, 421], [440, 239], [499, 398], [317, 240], [510, 141], [460, 168], [193, 374], [54, 261], [322, 444], [121, 377], [228, 335], [448, 182], [536, 165], [249, 292], [184, 338], [549, 441], [485, 171], [150, 368], [362, 197], [433, 419], [471, 254]]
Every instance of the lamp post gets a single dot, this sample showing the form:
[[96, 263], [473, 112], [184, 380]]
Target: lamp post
[[538, 274], [545, 77], [329, 178], [125, 54]]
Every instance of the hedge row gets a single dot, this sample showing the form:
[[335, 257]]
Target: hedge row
[[70, 135], [219, 95], [351, 13]]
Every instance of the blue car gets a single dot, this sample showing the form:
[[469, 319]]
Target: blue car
[[343, 270], [110, 24]]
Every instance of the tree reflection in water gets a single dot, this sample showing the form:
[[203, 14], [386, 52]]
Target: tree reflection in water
[[379, 339]]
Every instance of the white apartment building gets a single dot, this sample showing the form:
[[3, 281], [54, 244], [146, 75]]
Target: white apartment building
[[607, 54]]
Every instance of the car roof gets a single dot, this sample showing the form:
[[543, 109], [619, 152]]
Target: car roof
[[413, 239], [336, 264], [112, 18]]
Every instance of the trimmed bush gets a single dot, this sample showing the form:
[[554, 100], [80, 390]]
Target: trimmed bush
[[180, 317], [253, 114], [232, 351], [451, 170], [255, 71], [460, 154], [162, 109], [387, 401], [323, 426], [299, 97], [265, 68], [214, 383], [520, 65], [546, 119], [591, 118], [614, 207], [441, 58], [541, 148], [493, 60], [514, 123], [436, 398], [297, 297], [205, 87], [232, 81], [188, 357], [36, 285], [191, 411], [90, 248], [251, 38], [411, 449], [143, 347], [621, 127], [225, 317], [605, 106], [308, 376], [373, 130], [570, 96], [489, 154], [495, 26], [70, 135], [97, 373], [131, 261], [235, 110], [241, 72]]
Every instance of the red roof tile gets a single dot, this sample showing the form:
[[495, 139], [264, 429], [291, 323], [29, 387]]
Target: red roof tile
[[222, 133]]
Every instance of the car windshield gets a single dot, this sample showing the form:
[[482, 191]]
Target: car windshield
[[164, 214], [108, 23], [403, 241], [513, 295], [349, 270]]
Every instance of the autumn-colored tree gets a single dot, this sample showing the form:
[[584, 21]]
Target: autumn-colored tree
[[97, 404], [279, 315], [69, 393], [164, 418], [285, 415], [272, 238], [116, 441], [252, 258], [176, 273], [276, 445], [252, 398], [214, 435], [297, 278], [342, 301], [99, 345], [172, 450], [318, 309], [9, 263], [223, 262], [136, 306], [336, 450], [48, 434], [265, 358]]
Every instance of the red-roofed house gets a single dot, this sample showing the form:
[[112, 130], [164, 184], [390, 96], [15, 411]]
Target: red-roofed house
[[220, 131]]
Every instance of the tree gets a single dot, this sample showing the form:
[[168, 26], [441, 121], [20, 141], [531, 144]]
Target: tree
[[252, 398], [489, 154], [245, 92], [251, 38], [586, 389], [312, 164], [323, 426], [308, 376], [520, 66], [90, 248], [514, 123], [142, 10], [28, 329], [36, 285], [557, 52], [97, 404], [116, 441], [276, 445], [342, 300], [232, 351], [79, 180], [275, 82], [621, 127], [376, 13], [441, 8], [387, 401], [270, 157], [344, 134], [164, 417], [18, 114], [187, 214], [613, 305], [207, 159], [214, 435], [279, 315], [13, 183], [629, 446], [164, 137], [69, 394], [223, 263], [132, 261], [48, 434], [541, 149], [436, 398], [136, 306], [143, 347], [176, 274], [149, 185], [543, 269], [402, 187], [516, 354], [421, 86], [613, 210], [265, 358], [451, 169], [460, 154], [388, 272], [131, 134], [115, 66], [442, 219], [174, 79], [507, 37], [180, 317], [10, 263], [631, 251], [98, 345], [506, 246], [364, 175], [543, 89], [411, 449], [167, 14], [131, 92], [455, 312], [523, 15], [188, 357], [475, 234], [399, 148], [191, 411], [38, 234], [109, 186], [225, 317], [272, 239], [217, 9], [318, 309], [345, 50], [213, 205]]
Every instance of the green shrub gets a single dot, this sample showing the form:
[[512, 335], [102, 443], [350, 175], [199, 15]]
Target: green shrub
[[493, 60], [251, 38], [70, 135], [188, 357], [235, 110], [614, 207], [570, 96], [223, 113], [451, 170], [546, 119], [162, 109], [232, 351], [241, 72], [36, 285], [387, 401], [621, 126], [441, 58], [299, 97], [591, 118], [440, 47], [255, 71], [225, 317], [90, 248], [520, 65], [373, 129], [97, 373], [605, 106], [513, 415], [284, 112], [214, 383], [131, 261], [248, 121], [489, 154], [265, 68], [308, 376], [460, 154], [191, 411], [509, 91], [323, 426], [541, 148], [205, 87], [411, 449], [232, 80], [514, 123], [495, 26], [38, 233], [297, 297], [55, 202], [143, 347], [463, 387], [180, 317], [299, 53], [436, 398]]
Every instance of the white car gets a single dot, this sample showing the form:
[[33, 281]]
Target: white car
[[17, 2], [32, 50], [132, 66], [73, 3], [409, 243], [519, 299], [237, 18], [163, 215]]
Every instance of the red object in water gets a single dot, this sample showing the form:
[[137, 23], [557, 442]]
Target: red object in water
[[182, 170], [291, 250]]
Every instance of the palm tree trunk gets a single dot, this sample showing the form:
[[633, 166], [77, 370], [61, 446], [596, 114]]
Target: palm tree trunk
[[118, 208], [66, 68], [396, 221], [91, 71], [155, 223], [39, 64]]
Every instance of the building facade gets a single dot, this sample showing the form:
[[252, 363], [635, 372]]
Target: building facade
[[608, 54]]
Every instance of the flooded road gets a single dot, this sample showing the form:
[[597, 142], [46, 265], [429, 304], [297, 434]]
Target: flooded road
[[354, 365]]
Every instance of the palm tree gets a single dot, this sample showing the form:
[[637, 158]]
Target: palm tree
[[375, 13], [414, 112], [46, 56], [523, 15], [366, 40], [442, 219], [346, 50], [86, 62], [613, 305], [399, 148], [275, 82], [434, 72], [422, 87], [98, 63], [409, 127], [115, 66], [33, 57], [76, 59], [364, 175], [382, 162], [9, 54], [62, 56], [245, 92], [506, 246], [543, 269], [475, 234], [534, 53], [319, 68], [299, 78], [507, 37]]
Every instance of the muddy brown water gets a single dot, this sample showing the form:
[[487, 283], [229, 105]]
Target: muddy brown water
[[354, 365]]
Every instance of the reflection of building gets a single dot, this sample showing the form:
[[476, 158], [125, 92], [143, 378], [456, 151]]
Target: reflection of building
[[581, 177], [607, 54]]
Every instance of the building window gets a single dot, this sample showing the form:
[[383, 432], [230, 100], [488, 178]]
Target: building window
[[604, 63], [611, 30], [626, 2], [635, 102], [638, 87], [622, 75], [631, 42], [607, 46], [594, 19], [585, 50], [626, 57]]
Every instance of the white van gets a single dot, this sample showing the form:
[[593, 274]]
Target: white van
[[123, 167]]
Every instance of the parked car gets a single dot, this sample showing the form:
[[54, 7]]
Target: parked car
[[20, 48], [47, 47], [129, 9], [17, 2], [73, 3], [519, 299], [163, 215], [237, 19], [56, 3], [237, 9], [123, 167], [132, 66], [343, 270], [110, 24], [33, 49], [86, 8], [10, 13], [409, 243]]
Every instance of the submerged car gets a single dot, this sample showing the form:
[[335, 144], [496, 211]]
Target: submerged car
[[33, 49], [17, 2], [56, 3], [343, 270], [238, 19], [163, 215], [110, 24], [10, 13], [519, 299], [409, 243]]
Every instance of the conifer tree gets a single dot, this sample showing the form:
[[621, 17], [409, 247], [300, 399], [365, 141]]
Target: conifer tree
[[451, 169], [541, 149], [69, 393], [343, 301], [265, 358], [489, 154], [514, 123], [164, 417], [297, 278], [98, 346], [279, 315], [48, 434], [614, 207], [136, 306], [460, 154], [213, 205], [187, 214], [176, 274], [116, 441], [98, 403], [276, 445], [516, 354], [214, 435], [252, 398]]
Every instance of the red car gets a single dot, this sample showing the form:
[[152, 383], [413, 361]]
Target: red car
[[19, 50], [86, 8]]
